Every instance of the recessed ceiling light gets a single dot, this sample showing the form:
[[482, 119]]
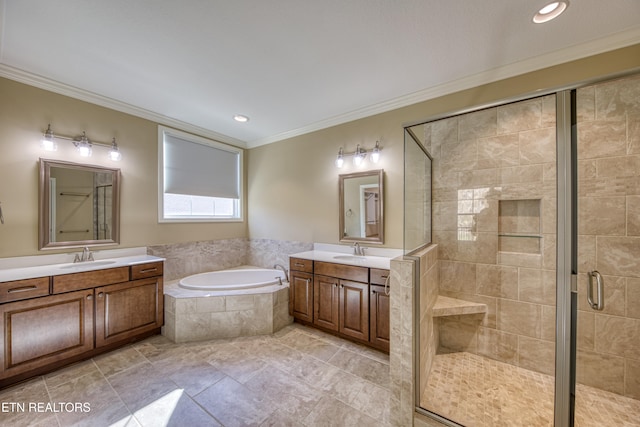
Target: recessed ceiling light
[[550, 11], [240, 118]]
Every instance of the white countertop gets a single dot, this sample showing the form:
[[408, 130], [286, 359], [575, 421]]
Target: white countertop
[[29, 272], [342, 258]]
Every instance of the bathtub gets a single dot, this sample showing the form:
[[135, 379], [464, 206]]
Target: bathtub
[[233, 280], [232, 303]]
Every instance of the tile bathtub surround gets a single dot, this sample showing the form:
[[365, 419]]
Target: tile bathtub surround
[[190, 319], [296, 377], [185, 259]]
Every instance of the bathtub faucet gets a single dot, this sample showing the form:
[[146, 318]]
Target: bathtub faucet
[[280, 266]]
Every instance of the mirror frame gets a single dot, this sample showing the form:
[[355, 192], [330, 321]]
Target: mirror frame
[[45, 205], [376, 240]]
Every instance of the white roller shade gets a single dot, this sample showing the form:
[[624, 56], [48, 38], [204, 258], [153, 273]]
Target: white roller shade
[[201, 170]]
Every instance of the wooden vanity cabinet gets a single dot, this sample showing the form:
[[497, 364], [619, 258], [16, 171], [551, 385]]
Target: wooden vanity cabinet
[[379, 310], [74, 316], [325, 302], [43, 331], [301, 289], [347, 300], [341, 299], [126, 310]]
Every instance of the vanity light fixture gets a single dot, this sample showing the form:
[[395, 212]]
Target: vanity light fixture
[[359, 155], [82, 144], [550, 11]]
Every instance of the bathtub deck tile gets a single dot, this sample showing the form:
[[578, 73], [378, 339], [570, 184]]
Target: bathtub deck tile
[[211, 304], [239, 302]]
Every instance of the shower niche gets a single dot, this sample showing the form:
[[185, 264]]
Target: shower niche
[[520, 226]]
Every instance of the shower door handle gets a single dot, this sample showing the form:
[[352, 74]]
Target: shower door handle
[[598, 304]]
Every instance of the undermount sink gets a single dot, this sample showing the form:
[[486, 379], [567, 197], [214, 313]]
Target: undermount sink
[[88, 265], [350, 257]]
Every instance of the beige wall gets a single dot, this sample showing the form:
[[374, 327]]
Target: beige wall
[[293, 184], [25, 112]]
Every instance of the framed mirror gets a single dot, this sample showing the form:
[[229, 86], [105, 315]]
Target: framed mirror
[[362, 207], [79, 205]]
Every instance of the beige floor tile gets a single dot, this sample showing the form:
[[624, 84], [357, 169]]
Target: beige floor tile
[[362, 366], [233, 404], [331, 412]]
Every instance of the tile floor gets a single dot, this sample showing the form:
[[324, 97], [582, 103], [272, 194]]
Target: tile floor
[[296, 377], [477, 391]]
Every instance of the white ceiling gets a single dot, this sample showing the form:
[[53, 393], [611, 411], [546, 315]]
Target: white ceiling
[[292, 66]]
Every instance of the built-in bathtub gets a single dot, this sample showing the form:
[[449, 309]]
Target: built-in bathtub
[[226, 304], [233, 280]]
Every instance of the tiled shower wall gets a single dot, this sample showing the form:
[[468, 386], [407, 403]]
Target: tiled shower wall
[[184, 259], [609, 234], [480, 158]]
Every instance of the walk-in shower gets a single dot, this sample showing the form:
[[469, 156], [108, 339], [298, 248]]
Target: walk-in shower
[[524, 201]]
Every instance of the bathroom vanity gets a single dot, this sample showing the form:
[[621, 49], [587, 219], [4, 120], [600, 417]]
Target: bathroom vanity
[[347, 298], [54, 315]]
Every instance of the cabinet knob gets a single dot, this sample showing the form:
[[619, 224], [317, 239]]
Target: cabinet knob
[[341, 286], [335, 285], [90, 297], [100, 294], [373, 292]]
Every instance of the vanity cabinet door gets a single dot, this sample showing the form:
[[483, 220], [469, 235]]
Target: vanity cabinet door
[[301, 296], [354, 309], [325, 302], [43, 331], [126, 310], [379, 318]]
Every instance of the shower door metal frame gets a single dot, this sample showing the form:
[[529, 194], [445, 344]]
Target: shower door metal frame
[[566, 259]]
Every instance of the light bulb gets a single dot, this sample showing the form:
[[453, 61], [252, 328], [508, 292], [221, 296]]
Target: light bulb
[[358, 157], [84, 150], [47, 142], [84, 146], [114, 153], [340, 159], [375, 154]]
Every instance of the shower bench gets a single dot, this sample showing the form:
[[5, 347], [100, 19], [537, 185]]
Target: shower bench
[[446, 306]]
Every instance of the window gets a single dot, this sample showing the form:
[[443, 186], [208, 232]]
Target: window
[[199, 179]]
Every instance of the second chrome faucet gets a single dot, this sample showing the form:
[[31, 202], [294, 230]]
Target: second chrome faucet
[[86, 255]]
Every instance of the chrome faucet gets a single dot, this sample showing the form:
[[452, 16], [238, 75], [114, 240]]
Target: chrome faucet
[[358, 250], [280, 266], [87, 255]]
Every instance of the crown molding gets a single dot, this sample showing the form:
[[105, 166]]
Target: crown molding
[[583, 50], [614, 41], [40, 82]]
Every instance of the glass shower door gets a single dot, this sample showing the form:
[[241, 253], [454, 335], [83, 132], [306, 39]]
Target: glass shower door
[[608, 241], [487, 341]]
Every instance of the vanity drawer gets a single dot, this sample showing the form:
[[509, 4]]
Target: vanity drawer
[[342, 271], [24, 289], [299, 264], [378, 276], [150, 269], [89, 279]]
